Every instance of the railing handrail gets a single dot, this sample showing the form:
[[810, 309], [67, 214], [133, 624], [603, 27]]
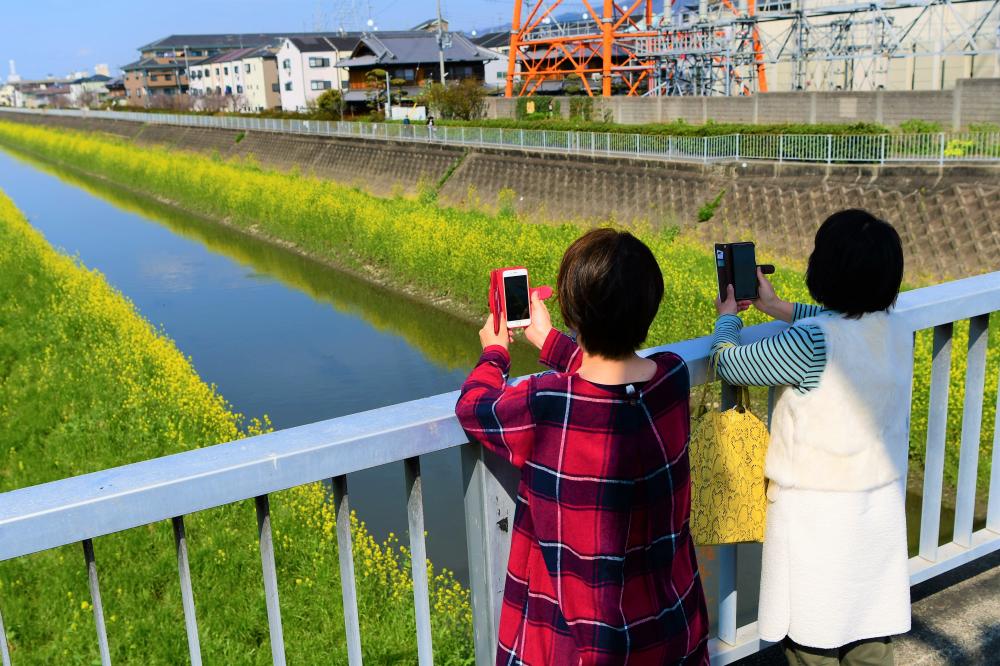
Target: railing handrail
[[88, 506], [926, 148]]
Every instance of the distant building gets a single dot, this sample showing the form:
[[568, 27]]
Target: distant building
[[241, 80], [310, 65], [496, 70], [89, 90], [162, 65], [412, 56]]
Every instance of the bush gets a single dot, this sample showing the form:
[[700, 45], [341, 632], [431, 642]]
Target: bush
[[464, 100], [917, 126]]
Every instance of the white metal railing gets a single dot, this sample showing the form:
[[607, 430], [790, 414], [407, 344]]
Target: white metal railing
[[933, 148], [82, 508]]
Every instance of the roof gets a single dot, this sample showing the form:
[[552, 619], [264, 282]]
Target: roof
[[413, 47], [96, 78], [320, 43], [238, 40], [492, 40], [153, 63]]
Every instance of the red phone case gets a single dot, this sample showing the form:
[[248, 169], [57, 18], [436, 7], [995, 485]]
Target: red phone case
[[497, 305]]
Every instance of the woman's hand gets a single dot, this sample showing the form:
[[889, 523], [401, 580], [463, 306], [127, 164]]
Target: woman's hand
[[768, 301], [488, 338], [541, 322], [731, 305]]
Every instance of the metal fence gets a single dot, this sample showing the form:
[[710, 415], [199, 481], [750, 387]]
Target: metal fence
[[933, 148], [83, 508]]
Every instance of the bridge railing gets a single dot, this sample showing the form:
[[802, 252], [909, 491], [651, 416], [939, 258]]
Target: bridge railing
[[84, 508], [932, 148]]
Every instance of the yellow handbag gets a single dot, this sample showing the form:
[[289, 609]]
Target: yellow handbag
[[728, 493]]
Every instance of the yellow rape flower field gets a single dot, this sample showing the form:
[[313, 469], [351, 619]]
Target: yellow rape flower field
[[87, 384], [411, 243]]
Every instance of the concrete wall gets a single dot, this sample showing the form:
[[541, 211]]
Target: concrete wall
[[948, 217], [971, 101]]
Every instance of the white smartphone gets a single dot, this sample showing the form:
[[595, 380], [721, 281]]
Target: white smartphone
[[515, 298]]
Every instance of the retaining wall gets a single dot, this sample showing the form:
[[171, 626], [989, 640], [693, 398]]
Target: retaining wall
[[971, 101], [948, 217]]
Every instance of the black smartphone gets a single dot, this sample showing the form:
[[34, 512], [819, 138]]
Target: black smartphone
[[736, 264]]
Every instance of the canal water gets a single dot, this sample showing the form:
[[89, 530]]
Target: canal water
[[278, 334]]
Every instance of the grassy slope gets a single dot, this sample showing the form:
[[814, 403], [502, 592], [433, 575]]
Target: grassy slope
[[87, 384]]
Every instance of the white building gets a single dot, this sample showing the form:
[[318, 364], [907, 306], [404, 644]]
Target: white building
[[307, 66], [88, 90]]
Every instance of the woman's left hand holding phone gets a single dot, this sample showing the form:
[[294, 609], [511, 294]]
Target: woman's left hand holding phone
[[488, 338]]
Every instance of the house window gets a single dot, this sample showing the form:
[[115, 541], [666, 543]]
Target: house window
[[225, 70], [319, 62], [320, 85], [154, 77], [247, 68], [407, 75], [239, 90], [275, 87], [286, 64], [288, 85], [216, 71]]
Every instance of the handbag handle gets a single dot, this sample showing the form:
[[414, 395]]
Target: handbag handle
[[742, 392]]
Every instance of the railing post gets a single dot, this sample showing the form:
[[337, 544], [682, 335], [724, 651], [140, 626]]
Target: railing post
[[95, 598], [882, 150], [270, 575], [739, 141], [345, 553], [418, 560], [941, 150], [972, 421], [993, 505], [781, 148], [937, 430], [4, 653], [187, 594], [490, 485], [726, 558]]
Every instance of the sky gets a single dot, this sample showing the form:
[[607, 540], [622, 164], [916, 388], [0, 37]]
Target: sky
[[63, 36]]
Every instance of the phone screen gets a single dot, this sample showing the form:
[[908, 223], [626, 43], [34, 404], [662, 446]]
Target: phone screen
[[515, 289], [744, 271]]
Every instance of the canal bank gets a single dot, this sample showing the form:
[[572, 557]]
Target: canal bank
[[948, 217]]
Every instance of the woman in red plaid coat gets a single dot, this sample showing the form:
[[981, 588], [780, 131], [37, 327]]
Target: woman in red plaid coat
[[602, 566]]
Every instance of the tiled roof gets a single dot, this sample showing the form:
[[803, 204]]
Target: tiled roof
[[492, 40], [318, 43], [236, 40], [413, 47]]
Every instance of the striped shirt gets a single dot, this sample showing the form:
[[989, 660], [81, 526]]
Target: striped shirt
[[794, 358]]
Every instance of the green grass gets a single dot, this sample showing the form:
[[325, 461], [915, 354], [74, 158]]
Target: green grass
[[87, 384]]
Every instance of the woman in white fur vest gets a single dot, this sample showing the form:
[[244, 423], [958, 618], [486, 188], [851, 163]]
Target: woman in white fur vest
[[835, 584]]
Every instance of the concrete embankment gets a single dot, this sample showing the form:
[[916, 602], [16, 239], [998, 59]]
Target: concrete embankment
[[949, 217]]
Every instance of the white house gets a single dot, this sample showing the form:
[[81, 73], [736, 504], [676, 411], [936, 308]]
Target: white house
[[88, 90], [307, 66]]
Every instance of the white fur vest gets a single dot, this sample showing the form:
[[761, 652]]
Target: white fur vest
[[851, 432]]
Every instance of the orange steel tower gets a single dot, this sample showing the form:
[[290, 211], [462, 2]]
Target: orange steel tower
[[606, 48]]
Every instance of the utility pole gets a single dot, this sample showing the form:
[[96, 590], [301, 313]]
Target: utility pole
[[440, 37], [388, 98]]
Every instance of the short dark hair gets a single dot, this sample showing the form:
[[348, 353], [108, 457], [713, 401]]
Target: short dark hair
[[610, 288], [856, 266]]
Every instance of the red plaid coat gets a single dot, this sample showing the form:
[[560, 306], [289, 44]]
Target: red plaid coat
[[602, 565]]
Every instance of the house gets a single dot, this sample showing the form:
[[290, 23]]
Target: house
[[87, 91], [241, 80], [496, 70], [309, 65], [162, 65], [7, 93], [412, 56]]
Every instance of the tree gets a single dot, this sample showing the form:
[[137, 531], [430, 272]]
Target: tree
[[464, 100], [375, 82], [330, 105]]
